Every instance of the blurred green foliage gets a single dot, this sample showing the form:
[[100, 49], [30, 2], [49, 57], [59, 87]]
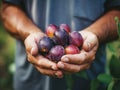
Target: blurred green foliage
[[112, 77], [6, 59], [7, 47]]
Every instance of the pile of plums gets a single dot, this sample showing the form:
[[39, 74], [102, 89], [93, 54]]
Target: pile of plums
[[59, 40]]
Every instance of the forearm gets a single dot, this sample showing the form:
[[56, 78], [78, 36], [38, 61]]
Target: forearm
[[16, 22], [105, 27]]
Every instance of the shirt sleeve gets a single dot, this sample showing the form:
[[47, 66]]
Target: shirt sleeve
[[15, 2]]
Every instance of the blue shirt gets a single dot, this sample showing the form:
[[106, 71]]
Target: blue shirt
[[78, 14]]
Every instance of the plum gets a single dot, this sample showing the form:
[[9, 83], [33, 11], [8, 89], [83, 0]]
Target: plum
[[65, 27], [72, 49], [51, 29], [61, 37], [56, 53], [75, 38], [45, 44]]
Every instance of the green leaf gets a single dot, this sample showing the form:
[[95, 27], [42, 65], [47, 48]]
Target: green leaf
[[111, 48], [116, 85], [104, 78], [110, 86], [69, 81], [114, 66], [118, 24], [94, 84]]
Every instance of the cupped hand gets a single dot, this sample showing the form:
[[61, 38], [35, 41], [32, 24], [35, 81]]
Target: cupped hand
[[42, 64], [78, 62]]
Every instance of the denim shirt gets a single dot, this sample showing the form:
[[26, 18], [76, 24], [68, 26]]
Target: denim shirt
[[78, 14]]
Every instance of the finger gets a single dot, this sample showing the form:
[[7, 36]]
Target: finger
[[32, 59], [50, 72], [90, 40], [72, 68], [31, 42], [42, 62], [31, 45], [34, 49], [90, 43], [83, 57], [59, 74], [74, 59], [45, 63]]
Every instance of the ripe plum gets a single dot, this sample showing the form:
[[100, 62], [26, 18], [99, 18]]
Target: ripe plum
[[51, 30], [61, 37], [75, 38], [45, 44], [65, 27], [72, 49], [56, 53]]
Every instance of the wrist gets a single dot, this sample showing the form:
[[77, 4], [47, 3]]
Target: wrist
[[97, 32], [25, 31]]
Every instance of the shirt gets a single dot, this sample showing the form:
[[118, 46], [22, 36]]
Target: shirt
[[78, 14]]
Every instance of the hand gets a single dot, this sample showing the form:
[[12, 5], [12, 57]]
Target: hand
[[78, 62], [42, 64]]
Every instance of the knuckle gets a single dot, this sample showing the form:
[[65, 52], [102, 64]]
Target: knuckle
[[40, 62], [45, 72], [83, 58]]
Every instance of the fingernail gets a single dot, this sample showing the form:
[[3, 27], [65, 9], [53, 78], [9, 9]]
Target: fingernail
[[58, 75], [54, 67], [32, 51], [61, 65], [65, 59]]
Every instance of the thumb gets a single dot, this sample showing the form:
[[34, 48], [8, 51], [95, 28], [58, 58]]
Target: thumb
[[34, 43], [87, 46], [31, 46], [34, 49], [90, 42]]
